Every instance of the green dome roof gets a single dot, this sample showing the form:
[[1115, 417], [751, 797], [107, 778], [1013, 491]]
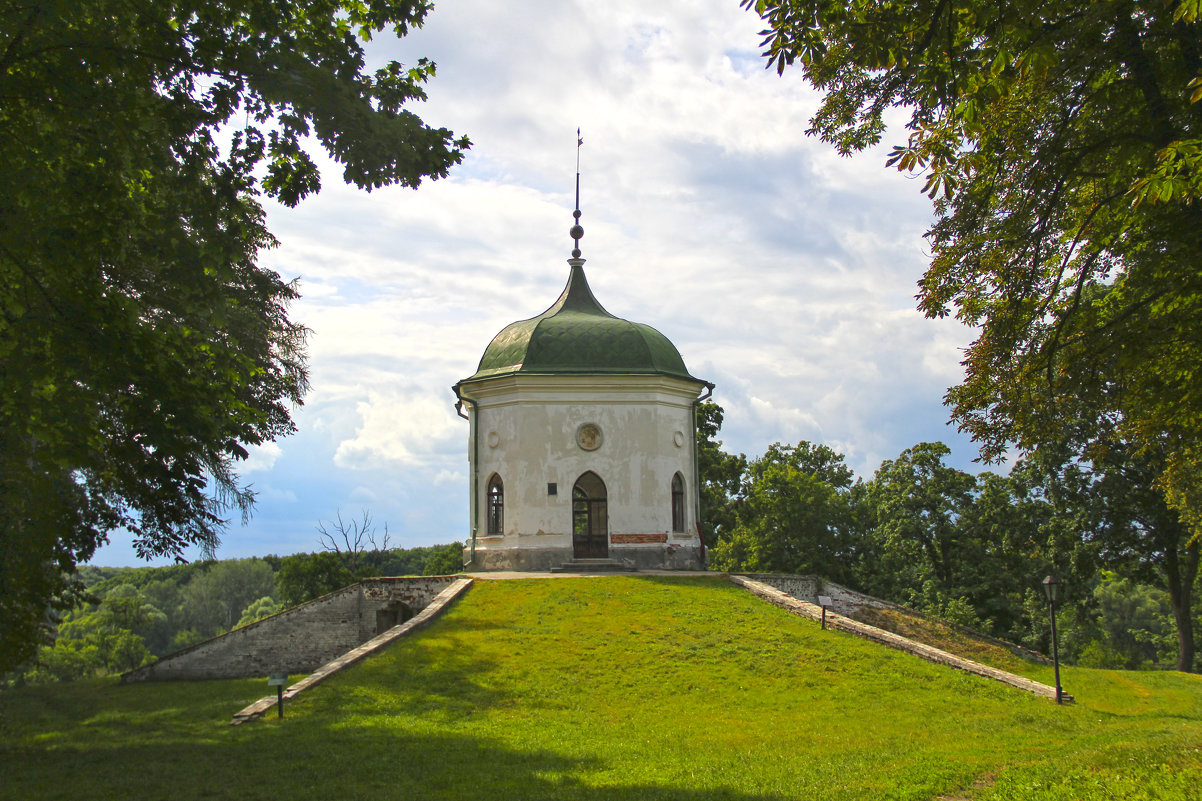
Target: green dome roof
[[577, 336]]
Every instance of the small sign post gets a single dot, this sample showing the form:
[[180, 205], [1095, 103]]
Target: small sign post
[[278, 680], [824, 601]]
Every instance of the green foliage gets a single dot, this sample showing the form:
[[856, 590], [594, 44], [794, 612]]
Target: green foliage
[[105, 639], [144, 613], [264, 607], [142, 347], [1137, 621], [213, 601], [305, 576], [560, 689], [720, 475], [429, 560], [1099, 654], [146, 577], [67, 660], [184, 638], [792, 515], [1123, 520], [934, 630], [1062, 140], [964, 548], [958, 610], [919, 502], [443, 560], [1004, 550]]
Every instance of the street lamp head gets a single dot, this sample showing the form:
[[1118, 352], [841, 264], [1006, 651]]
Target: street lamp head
[[1051, 588]]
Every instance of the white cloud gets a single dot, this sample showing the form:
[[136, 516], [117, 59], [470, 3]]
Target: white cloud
[[262, 458], [782, 271], [412, 430], [269, 493], [365, 494], [448, 477]]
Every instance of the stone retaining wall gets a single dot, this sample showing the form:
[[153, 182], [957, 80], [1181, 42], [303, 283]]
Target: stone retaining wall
[[303, 638], [837, 621], [808, 588], [847, 602]]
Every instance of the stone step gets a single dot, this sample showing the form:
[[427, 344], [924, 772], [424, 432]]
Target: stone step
[[592, 566]]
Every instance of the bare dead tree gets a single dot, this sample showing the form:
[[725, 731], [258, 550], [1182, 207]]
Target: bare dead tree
[[385, 541], [350, 538]]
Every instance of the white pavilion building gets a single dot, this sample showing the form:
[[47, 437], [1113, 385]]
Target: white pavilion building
[[582, 442]]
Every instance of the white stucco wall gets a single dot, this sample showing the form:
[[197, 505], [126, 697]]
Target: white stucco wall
[[526, 429]]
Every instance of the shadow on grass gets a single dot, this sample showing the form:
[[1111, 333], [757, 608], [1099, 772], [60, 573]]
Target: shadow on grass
[[410, 677], [298, 758]]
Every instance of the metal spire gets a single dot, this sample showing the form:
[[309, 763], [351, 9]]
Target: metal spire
[[577, 231]]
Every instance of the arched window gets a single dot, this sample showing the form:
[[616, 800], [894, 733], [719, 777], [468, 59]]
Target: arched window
[[677, 503], [590, 518], [496, 505]]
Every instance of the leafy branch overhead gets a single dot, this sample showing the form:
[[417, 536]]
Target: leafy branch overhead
[[950, 64], [1062, 144], [143, 349]]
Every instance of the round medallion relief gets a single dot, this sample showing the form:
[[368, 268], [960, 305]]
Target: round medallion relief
[[494, 439], [678, 439], [588, 436]]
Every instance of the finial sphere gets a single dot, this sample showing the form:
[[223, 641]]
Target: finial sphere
[[576, 232]]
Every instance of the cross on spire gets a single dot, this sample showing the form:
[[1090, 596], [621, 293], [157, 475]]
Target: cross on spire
[[577, 231]]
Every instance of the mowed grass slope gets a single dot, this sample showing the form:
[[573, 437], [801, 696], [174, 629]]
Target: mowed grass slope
[[615, 688]]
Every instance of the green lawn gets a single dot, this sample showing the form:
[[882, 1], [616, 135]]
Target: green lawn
[[615, 688]]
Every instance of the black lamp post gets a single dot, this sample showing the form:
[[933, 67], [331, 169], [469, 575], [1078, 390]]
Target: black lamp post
[[1051, 588]]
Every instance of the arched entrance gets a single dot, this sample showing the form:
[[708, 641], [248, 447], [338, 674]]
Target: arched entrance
[[590, 520]]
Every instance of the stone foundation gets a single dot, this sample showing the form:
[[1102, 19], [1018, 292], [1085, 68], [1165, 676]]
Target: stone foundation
[[655, 556]]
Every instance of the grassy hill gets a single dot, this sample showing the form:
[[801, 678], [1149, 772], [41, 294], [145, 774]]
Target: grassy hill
[[616, 688]]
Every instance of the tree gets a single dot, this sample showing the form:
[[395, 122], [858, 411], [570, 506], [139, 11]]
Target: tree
[[213, 601], [1063, 142], [351, 538], [919, 537], [107, 638], [792, 515], [720, 474], [443, 560], [1001, 552], [263, 607], [1130, 527], [142, 347], [1136, 622], [305, 576]]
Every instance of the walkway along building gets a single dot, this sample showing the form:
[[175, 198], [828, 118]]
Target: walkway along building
[[582, 442]]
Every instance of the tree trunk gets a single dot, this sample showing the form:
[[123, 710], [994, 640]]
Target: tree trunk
[[1181, 568]]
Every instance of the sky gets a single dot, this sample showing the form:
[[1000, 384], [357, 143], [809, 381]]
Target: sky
[[784, 273]]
